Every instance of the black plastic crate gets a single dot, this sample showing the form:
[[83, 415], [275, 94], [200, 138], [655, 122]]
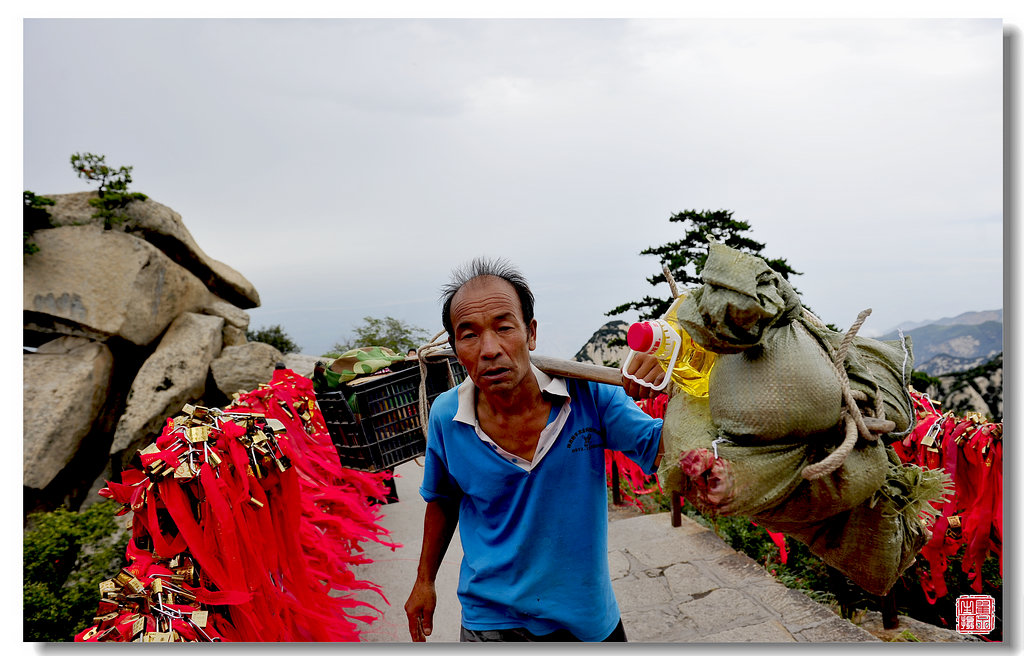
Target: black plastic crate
[[383, 430]]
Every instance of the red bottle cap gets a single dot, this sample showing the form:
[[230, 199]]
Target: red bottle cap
[[640, 336]]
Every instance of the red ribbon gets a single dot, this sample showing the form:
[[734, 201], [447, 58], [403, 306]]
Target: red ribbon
[[971, 453], [271, 550]]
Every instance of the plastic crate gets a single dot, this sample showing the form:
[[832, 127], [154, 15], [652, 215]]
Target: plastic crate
[[383, 430]]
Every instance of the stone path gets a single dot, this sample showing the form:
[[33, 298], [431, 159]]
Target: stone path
[[686, 585], [674, 585]]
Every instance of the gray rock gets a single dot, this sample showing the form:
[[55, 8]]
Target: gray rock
[[598, 351], [233, 336], [93, 495], [65, 381], [94, 283], [243, 368], [162, 227], [232, 315], [172, 376], [303, 364], [236, 321]]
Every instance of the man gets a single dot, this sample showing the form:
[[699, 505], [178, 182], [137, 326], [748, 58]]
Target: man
[[518, 458]]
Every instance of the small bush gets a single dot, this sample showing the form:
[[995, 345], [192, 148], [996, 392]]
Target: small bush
[[35, 216], [66, 555], [275, 336]]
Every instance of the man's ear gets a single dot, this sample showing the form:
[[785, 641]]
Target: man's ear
[[531, 332]]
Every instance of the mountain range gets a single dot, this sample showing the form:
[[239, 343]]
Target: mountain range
[[957, 344]]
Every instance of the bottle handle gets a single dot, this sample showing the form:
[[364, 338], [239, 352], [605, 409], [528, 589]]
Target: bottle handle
[[677, 340]]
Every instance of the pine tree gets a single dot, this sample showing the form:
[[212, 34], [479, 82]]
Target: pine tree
[[685, 257]]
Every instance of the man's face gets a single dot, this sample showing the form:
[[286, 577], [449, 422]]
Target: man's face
[[491, 338]]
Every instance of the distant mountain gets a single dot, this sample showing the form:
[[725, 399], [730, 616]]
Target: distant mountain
[[602, 348], [979, 389], [960, 360], [948, 364], [969, 342], [965, 319]]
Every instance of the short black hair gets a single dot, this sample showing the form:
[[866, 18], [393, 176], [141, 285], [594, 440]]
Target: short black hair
[[481, 266]]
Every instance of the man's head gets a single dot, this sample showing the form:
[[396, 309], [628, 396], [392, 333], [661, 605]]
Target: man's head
[[481, 267], [488, 313]]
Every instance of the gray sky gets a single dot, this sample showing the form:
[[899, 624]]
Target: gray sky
[[346, 166]]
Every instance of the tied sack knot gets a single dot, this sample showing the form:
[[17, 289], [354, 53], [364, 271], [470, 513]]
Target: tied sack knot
[[852, 417]]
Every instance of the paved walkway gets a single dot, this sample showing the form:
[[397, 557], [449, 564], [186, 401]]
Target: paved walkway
[[674, 585]]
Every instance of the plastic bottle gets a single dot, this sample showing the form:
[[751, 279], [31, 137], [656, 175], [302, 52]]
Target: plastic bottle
[[688, 363]]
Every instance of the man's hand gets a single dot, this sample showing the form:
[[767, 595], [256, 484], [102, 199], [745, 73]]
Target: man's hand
[[420, 610], [645, 367]]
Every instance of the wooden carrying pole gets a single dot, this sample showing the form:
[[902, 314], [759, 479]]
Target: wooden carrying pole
[[612, 376]]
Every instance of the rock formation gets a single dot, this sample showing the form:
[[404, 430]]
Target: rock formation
[[607, 347], [122, 327]]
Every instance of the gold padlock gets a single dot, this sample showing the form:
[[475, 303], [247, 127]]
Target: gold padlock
[[199, 618]]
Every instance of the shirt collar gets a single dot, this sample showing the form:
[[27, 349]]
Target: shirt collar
[[467, 394]]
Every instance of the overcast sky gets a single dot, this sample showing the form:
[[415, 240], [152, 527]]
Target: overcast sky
[[346, 166]]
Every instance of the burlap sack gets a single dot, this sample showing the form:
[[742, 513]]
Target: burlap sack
[[775, 376], [882, 370], [724, 475], [741, 298], [774, 407], [875, 542], [783, 387]]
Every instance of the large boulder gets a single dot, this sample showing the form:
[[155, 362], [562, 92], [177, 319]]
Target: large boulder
[[175, 374], [231, 314], [236, 321], [234, 336], [243, 368], [303, 364], [162, 227], [99, 283], [65, 382]]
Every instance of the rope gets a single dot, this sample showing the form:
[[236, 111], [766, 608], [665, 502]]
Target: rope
[[671, 281], [422, 353], [851, 416], [906, 385]]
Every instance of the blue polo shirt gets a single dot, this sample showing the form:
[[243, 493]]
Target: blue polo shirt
[[535, 535]]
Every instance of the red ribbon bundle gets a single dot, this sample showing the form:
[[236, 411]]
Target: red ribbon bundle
[[270, 543], [639, 482], [970, 450]]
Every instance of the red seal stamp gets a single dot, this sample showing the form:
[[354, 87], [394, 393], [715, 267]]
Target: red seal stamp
[[975, 614]]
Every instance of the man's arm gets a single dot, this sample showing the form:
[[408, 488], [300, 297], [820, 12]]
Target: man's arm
[[439, 522], [645, 367]]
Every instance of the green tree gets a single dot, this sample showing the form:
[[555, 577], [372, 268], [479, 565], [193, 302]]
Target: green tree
[[35, 217], [275, 336], [112, 186], [685, 257], [388, 332]]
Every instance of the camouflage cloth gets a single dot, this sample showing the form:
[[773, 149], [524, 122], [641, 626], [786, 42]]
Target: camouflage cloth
[[359, 362]]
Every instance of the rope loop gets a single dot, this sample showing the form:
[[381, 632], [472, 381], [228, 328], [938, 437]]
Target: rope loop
[[851, 415], [428, 350]]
